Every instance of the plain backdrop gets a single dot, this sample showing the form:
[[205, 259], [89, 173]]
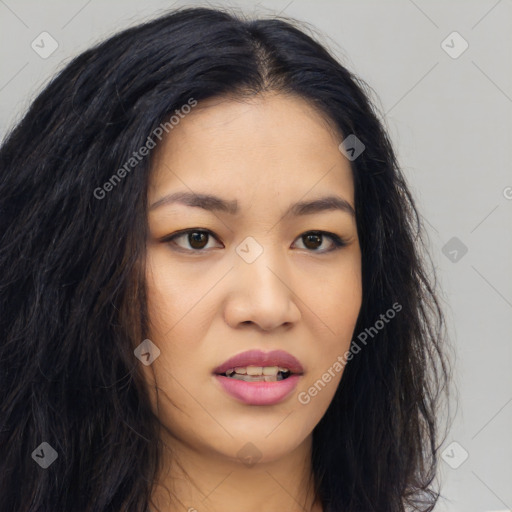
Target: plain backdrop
[[448, 110]]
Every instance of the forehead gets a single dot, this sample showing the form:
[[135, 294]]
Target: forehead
[[272, 141]]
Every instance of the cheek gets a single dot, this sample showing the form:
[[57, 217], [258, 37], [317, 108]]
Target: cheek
[[179, 317], [335, 307], [176, 314], [160, 293], [336, 302], [174, 308], [174, 297], [171, 313]]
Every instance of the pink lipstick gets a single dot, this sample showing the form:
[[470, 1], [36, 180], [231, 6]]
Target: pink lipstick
[[259, 378]]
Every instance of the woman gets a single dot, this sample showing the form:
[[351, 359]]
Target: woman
[[212, 293]]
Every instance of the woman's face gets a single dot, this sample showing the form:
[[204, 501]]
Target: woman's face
[[252, 278]]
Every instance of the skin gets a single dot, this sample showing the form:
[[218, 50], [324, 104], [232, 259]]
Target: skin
[[266, 152]]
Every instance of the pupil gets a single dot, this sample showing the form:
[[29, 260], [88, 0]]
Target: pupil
[[315, 238], [196, 238]]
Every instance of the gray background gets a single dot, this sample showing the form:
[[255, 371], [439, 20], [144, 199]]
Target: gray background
[[451, 122]]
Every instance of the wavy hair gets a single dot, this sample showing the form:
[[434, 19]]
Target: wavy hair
[[72, 290]]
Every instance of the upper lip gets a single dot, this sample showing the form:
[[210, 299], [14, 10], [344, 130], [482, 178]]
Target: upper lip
[[260, 358]]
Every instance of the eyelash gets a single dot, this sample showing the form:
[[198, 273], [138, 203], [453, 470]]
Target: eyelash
[[336, 240]]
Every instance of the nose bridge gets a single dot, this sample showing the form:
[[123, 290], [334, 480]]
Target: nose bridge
[[259, 262], [262, 291]]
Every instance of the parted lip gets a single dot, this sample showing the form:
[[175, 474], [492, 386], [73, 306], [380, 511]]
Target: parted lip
[[260, 358]]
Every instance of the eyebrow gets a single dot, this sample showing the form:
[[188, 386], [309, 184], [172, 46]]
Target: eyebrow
[[214, 203]]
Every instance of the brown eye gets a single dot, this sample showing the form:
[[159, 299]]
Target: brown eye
[[312, 240], [191, 240], [198, 239]]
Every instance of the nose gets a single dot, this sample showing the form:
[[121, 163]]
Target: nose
[[262, 293]]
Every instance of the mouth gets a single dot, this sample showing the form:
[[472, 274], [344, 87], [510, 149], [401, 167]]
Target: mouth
[[257, 366], [259, 378]]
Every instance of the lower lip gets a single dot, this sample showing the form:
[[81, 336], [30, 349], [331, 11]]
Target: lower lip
[[259, 393]]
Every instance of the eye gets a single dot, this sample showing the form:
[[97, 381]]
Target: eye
[[197, 239], [314, 239]]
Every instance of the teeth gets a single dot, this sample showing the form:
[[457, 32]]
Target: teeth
[[254, 370], [257, 378], [270, 371], [258, 373]]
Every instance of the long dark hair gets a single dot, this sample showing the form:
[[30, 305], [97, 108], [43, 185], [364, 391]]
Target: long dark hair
[[72, 290]]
